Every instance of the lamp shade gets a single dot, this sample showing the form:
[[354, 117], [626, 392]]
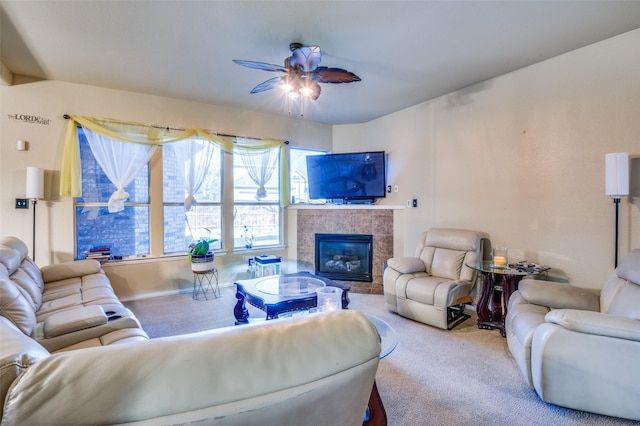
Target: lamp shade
[[35, 183], [617, 174]]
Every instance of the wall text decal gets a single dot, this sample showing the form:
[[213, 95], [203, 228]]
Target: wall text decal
[[30, 118]]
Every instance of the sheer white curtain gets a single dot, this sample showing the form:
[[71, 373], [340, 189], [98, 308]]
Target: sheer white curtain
[[260, 165], [196, 156], [120, 161]]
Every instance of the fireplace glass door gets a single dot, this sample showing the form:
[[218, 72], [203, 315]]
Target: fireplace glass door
[[344, 257]]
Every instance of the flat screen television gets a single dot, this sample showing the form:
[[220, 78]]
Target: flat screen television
[[356, 177]]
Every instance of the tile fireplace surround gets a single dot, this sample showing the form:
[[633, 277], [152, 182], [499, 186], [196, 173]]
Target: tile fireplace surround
[[376, 222]]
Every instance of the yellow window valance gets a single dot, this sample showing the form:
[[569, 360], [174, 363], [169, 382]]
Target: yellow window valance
[[71, 172]]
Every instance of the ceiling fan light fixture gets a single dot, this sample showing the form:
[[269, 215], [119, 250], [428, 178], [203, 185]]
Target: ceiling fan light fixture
[[302, 74], [305, 91]]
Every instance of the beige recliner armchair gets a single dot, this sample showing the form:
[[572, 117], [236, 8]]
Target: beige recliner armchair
[[433, 286], [580, 348]]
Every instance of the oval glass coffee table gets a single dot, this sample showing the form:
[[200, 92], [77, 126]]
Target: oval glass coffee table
[[375, 413]]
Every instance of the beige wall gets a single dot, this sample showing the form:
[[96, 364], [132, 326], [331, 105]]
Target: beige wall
[[55, 217], [521, 157]]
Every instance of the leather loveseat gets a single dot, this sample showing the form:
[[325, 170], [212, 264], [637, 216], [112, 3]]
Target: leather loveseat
[[79, 369], [579, 348]]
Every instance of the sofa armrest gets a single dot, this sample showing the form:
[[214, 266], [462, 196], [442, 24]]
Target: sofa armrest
[[595, 323], [407, 265], [72, 269], [222, 373], [559, 296]]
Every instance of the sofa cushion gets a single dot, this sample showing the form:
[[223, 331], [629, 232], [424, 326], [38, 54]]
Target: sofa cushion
[[12, 252], [447, 263], [14, 306], [125, 335], [627, 303], [422, 289], [629, 268], [30, 288], [73, 320], [558, 295], [18, 353], [72, 269], [454, 239], [620, 295]]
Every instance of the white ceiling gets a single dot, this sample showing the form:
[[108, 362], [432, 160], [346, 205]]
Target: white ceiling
[[406, 52]]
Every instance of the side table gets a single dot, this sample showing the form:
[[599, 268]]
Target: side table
[[202, 281], [498, 284]]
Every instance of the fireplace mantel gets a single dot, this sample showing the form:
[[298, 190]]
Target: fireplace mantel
[[344, 207]]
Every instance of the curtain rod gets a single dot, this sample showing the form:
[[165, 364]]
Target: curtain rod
[[224, 135]]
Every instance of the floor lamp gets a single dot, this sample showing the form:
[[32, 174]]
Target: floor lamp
[[616, 185], [35, 190]]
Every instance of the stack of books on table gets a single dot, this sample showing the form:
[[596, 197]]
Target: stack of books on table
[[100, 253]]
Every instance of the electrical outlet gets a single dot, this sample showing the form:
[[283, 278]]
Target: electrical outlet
[[409, 203], [22, 203], [415, 202], [388, 188], [395, 188]]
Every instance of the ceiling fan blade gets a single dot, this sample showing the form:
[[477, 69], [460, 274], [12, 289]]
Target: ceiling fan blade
[[306, 58], [267, 85], [260, 65], [333, 75]]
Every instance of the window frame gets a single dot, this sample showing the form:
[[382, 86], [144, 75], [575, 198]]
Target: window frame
[[238, 229], [156, 213], [220, 236]]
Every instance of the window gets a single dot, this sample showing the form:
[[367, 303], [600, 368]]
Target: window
[[126, 233], [257, 213], [191, 165], [298, 174], [191, 206]]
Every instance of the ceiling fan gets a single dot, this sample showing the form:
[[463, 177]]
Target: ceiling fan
[[301, 73]]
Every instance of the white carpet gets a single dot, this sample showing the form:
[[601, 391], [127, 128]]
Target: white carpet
[[465, 376]]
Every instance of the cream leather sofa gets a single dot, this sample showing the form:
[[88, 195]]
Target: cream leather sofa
[[580, 348], [61, 306], [433, 286], [317, 369]]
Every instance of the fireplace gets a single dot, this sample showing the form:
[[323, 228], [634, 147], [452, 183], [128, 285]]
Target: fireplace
[[344, 257]]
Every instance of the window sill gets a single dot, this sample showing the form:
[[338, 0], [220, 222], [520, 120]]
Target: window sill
[[180, 257], [260, 249]]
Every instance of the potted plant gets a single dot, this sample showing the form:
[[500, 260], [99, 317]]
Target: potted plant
[[200, 256], [248, 237]]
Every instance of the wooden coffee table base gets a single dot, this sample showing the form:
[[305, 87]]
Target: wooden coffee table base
[[376, 414]]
